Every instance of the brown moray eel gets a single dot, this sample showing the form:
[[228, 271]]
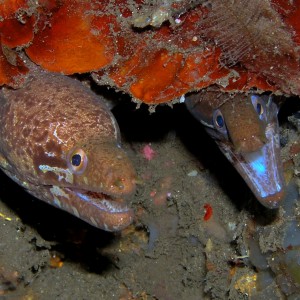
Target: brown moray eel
[[246, 130], [62, 144]]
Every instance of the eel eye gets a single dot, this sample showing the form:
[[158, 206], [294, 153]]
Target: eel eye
[[259, 106], [219, 122], [77, 161]]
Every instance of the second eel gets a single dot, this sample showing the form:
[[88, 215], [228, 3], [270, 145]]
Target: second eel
[[246, 130]]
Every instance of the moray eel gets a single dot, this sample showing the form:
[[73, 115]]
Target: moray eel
[[62, 144], [246, 130]]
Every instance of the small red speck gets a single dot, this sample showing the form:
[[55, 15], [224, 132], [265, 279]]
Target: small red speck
[[208, 212], [148, 152], [295, 149], [153, 193]]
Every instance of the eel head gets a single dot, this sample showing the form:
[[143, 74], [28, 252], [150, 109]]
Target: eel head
[[246, 130], [91, 182], [62, 144]]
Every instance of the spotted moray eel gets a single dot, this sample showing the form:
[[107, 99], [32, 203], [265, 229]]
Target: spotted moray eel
[[246, 130], [62, 144]]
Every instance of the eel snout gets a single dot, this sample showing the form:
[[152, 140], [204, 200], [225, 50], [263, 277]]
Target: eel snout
[[99, 210]]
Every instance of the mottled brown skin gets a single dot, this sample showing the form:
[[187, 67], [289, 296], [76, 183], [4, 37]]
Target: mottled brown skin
[[247, 132], [244, 127], [41, 125]]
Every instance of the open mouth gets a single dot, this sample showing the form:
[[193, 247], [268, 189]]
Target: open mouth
[[262, 169], [102, 201], [98, 209]]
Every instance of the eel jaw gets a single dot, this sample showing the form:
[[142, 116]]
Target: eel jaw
[[261, 169], [99, 210]]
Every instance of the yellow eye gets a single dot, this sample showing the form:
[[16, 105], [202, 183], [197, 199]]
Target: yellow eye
[[77, 161]]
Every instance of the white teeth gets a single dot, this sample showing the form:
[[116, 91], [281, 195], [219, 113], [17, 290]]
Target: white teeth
[[111, 206], [93, 221], [75, 211], [103, 204], [57, 191]]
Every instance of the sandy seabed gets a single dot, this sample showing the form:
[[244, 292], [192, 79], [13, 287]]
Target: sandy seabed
[[175, 249]]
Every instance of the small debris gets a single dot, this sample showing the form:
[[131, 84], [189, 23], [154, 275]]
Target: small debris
[[148, 152], [5, 217], [193, 173], [246, 284], [55, 261]]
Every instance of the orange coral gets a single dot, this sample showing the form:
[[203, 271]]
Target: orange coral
[[71, 41], [9, 7], [17, 23], [16, 29], [290, 12], [152, 83], [153, 65]]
